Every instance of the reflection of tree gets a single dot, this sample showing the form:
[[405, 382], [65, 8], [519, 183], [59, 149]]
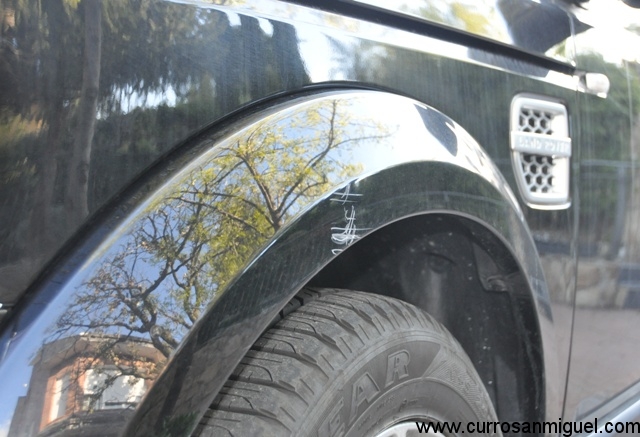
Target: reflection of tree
[[76, 195], [63, 121], [610, 146], [82, 383], [189, 244]]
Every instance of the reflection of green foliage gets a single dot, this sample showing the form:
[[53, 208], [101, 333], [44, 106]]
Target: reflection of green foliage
[[17, 175], [599, 190], [473, 22], [606, 144], [461, 14], [15, 134], [151, 51], [607, 120], [16, 127], [190, 243]]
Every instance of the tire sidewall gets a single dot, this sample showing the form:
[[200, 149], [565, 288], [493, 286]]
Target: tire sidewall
[[405, 376]]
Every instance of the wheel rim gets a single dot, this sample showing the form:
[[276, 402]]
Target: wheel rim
[[406, 429]]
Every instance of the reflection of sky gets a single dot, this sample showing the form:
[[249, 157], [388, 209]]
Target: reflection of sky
[[131, 99], [411, 142], [19, 367], [319, 55], [4, 428], [323, 64], [413, 138], [609, 19], [20, 375], [444, 12], [408, 140], [314, 29]]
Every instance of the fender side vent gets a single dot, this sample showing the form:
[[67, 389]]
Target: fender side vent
[[541, 151]]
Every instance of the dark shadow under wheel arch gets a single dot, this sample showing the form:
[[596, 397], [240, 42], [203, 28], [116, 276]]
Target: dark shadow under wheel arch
[[464, 276]]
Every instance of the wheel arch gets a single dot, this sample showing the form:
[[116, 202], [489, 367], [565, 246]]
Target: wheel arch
[[459, 271], [400, 162]]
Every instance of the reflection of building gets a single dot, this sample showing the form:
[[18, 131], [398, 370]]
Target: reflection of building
[[84, 385]]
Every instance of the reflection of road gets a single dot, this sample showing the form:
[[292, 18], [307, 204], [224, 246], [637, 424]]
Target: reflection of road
[[605, 356]]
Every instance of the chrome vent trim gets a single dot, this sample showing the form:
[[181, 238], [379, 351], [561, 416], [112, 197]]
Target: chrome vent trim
[[541, 151]]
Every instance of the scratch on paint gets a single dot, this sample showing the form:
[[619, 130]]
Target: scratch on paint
[[346, 196], [345, 236]]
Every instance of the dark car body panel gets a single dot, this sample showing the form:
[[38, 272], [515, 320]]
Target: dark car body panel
[[405, 161], [193, 86]]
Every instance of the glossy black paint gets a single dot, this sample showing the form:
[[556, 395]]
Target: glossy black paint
[[607, 320], [257, 64], [133, 285], [169, 69], [521, 30]]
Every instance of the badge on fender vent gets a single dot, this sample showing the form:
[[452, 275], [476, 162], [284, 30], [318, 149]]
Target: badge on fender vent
[[541, 151]]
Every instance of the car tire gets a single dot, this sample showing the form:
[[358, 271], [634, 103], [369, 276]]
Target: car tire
[[347, 363]]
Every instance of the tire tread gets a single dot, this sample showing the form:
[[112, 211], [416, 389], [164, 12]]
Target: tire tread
[[317, 328]]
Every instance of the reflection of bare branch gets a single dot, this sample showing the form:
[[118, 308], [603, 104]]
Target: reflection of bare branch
[[266, 195], [229, 215], [314, 160], [191, 243]]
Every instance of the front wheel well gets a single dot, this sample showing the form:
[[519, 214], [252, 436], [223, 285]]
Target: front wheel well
[[462, 274]]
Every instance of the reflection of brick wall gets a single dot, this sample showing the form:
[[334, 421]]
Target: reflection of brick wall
[[66, 396], [28, 412], [72, 373], [56, 404]]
